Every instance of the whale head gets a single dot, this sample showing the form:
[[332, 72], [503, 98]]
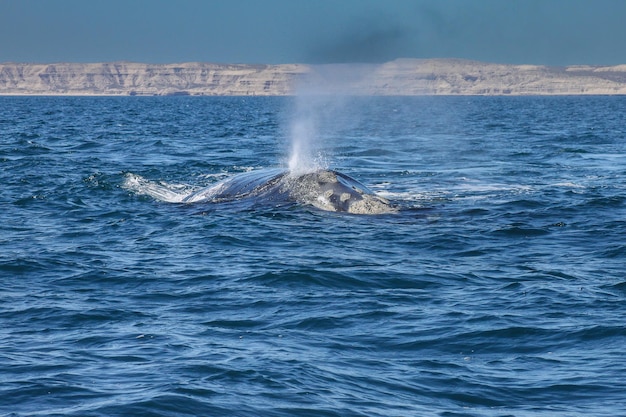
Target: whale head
[[333, 191]]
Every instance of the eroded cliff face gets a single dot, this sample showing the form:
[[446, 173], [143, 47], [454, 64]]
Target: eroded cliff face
[[399, 77], [461, 77], [127, 78]]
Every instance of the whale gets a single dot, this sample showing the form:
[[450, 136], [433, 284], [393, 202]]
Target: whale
[[324, 189]]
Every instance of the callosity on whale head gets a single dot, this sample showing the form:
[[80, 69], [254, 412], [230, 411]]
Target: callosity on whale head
[[333, 191]]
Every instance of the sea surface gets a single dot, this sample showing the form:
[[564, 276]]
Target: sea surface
[[499, 289]]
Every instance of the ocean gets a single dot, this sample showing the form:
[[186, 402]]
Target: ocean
[[498, 289]]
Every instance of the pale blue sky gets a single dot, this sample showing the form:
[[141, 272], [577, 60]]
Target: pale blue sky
[[552, 32]]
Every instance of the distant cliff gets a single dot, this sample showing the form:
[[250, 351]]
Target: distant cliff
[[399, 77], [461, 77], [129, 78]]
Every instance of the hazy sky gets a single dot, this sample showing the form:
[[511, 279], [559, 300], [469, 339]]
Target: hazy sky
[[552, 32]]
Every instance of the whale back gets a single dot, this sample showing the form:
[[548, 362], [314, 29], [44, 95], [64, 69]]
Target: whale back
[[238, 186]]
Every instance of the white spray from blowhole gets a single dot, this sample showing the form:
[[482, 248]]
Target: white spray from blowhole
[[305, 153], [322, 109]]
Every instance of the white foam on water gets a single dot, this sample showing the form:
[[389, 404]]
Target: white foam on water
[[162, 191], [568, 184]]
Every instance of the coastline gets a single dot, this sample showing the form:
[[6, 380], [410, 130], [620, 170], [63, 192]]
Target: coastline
[[401, 77]]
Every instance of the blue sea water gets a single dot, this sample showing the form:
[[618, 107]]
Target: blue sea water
[[499, 290]]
